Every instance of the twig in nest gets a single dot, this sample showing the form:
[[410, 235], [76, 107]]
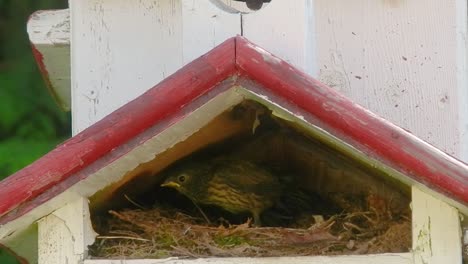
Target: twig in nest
[[123, 233], [184, 252], [186, 230], [372, 221], [349, 226], [123, 237], [134, 203], [203, 213]]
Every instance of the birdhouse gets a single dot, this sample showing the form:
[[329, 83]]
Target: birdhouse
[[241, 155]]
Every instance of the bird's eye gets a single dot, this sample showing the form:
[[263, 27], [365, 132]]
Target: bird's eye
[[181, 178]]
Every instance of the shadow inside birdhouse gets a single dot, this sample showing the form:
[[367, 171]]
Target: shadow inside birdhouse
[[251, 184]]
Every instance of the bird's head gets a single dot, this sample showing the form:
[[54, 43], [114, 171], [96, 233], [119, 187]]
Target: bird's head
[[178, 182], [187, 179]]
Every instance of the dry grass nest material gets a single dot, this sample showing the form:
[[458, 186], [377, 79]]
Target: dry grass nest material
[[161, 233]]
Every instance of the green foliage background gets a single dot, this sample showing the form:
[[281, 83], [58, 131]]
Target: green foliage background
[[31, 124]]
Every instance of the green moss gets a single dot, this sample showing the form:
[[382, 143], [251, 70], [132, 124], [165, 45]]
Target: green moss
[[165, 240], [230, 241]]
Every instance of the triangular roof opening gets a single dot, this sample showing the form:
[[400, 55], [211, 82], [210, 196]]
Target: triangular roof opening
[[241, 124]]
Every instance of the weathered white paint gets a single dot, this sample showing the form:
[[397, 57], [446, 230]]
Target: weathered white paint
[[65, 234], [436, 230], [49, 32], [462, 77], [55, 242], [285, 28], [120, 49], [404, 60], [204, 27], [402, 258], [130, 46]]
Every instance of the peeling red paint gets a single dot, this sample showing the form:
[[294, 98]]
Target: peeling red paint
[[80, 156]]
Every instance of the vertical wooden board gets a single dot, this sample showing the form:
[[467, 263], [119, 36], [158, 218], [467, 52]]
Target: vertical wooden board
[[404, 60], [462, 76], [436, 230], [120, 49], [77, 215], [205, 26], [64, 236], [55, 242], [287, 29]]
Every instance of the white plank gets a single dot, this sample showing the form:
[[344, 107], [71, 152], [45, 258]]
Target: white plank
[[64, 236], [55, 242], [49, 32], [77, 215], [122, 48], [287, 29], [462, 76], [436, 230], [404, 62], [403, 258], [204, 27]]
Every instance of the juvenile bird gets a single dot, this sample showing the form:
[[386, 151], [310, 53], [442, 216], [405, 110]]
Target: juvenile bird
[[233, 184]]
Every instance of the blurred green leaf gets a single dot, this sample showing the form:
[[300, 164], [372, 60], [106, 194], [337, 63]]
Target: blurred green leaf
[[18, 153]]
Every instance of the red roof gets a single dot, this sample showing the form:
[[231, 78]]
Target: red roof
[[61, 168]]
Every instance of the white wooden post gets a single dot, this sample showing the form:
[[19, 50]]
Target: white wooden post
[[65, 234], [436, 230]]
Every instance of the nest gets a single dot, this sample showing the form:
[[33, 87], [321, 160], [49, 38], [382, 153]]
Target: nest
[[166, 232]]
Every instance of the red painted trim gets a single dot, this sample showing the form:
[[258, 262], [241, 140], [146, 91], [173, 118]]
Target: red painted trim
[[190, 82], [374, 135], [73, 160]]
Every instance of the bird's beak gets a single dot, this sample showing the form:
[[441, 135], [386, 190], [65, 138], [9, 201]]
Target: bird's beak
[[171, 184]]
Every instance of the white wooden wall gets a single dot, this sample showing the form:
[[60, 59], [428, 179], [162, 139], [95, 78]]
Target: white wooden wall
[[122, 48], [403, 59]]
